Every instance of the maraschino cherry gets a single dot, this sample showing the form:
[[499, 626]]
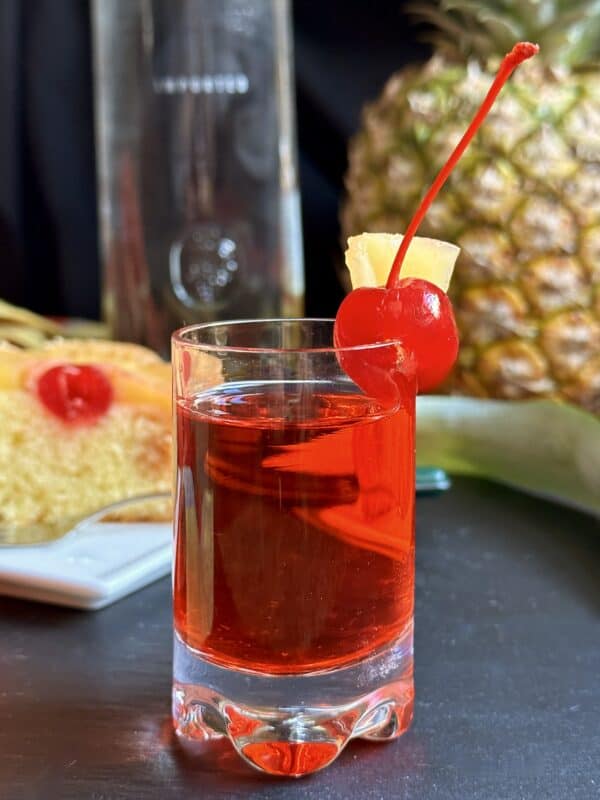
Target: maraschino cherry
[[411, 311], [76, 393]]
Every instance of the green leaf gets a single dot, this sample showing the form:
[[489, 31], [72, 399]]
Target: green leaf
[[567, 30], [543, 447]]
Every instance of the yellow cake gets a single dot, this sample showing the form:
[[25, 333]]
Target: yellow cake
[[63, 455]]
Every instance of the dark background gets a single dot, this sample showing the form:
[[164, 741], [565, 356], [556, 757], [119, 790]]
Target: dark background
[[344, 52]]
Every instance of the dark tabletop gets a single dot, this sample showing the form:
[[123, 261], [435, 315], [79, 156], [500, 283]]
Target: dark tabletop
[[507, 679]]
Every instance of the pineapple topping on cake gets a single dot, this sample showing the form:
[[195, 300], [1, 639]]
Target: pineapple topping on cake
[[84, 424]]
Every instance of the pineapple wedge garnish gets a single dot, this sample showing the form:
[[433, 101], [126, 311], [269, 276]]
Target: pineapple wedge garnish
[[369, 259]]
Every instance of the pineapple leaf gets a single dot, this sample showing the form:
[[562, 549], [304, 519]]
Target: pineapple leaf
[[568, 31], [553, 448]]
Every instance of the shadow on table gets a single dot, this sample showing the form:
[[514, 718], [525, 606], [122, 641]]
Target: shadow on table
[[559, 542], [562, 540]]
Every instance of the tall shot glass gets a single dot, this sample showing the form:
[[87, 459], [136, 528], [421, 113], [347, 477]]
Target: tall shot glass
[[294, 541]]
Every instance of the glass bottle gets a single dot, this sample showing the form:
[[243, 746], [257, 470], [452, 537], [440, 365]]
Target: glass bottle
[[195, 134]]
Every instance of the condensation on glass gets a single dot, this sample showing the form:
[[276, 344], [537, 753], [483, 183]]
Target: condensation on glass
[[198, 200]]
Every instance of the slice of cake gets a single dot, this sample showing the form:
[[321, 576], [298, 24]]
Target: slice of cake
[[83, 423]]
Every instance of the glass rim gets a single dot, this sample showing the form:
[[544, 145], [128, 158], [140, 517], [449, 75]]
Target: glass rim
[[178, 338]]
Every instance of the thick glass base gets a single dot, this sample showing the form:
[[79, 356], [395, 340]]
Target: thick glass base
[[294, 724]]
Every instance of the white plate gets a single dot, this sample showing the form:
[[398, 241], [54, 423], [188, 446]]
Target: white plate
[[90, 568]]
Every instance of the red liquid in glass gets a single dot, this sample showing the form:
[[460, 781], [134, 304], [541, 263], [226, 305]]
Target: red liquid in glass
[[295, 526]]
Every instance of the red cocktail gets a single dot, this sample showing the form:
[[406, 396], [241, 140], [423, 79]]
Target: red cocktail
[[309, 528]]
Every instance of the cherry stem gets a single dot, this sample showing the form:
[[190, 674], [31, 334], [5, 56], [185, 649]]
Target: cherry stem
[[520, 52]]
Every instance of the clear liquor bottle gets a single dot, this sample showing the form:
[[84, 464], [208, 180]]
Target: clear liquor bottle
[[195, 133]]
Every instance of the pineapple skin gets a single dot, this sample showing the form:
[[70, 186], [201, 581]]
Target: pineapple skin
[[523, 204]]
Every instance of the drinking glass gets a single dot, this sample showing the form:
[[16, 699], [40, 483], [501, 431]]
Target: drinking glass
[[294, 540]]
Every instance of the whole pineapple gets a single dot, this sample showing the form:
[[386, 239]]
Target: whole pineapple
[[523, 203]]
